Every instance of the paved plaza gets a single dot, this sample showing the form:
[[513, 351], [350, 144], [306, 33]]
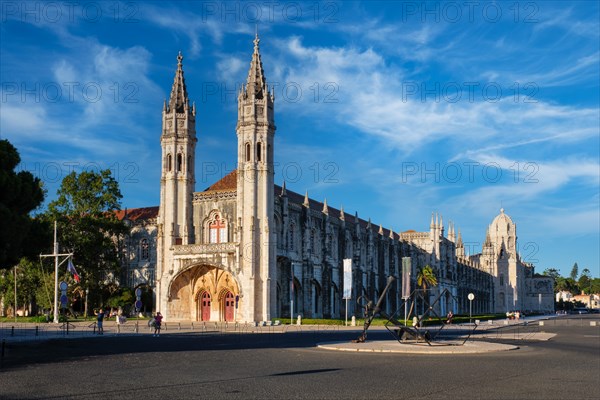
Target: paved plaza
[[559, 359]]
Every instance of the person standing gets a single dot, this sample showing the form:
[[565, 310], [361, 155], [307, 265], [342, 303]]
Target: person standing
[[100, 318], [157, 323]]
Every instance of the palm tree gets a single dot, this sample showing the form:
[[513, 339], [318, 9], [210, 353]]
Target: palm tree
[[426, 278]]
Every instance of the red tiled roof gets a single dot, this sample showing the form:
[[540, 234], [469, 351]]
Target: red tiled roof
[[134, 214], [228, 182]]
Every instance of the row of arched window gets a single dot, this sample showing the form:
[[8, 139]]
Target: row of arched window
[[179, 163], [259, 151]]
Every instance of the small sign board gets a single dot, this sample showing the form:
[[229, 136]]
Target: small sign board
[[138, 292], [63, 300], [63, 285], [471, 296], [138, 304]]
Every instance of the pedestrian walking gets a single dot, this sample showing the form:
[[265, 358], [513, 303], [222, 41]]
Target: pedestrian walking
[[100, 319], [157, 323]]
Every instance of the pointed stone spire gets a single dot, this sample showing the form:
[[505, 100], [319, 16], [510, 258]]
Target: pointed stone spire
[[342, 214], [356, 220], [431, 225], [391, 233], [179, 97], [256, 84], [459, 241], [488, 241], [369, 223], [283, 191], [306, 202], [380, 229], [325, 208]]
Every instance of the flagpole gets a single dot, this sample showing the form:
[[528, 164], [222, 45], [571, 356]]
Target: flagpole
[[55, 276]]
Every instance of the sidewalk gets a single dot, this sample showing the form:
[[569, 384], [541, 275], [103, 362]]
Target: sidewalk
[[21, 331]]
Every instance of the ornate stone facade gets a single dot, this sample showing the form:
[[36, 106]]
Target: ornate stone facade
[[244, 248]]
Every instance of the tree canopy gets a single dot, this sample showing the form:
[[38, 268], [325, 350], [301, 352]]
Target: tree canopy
[[88, 227], [574, 272], [426, 277], [20, 194]]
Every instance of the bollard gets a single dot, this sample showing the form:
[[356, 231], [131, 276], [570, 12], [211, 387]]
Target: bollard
[[192, 328], [179, 325], [353, 323], [12, 331], [136, 327], [36, 330], [118, 328]]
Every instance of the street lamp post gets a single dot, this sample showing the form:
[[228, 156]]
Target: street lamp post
[[87, 291], [471, 297]]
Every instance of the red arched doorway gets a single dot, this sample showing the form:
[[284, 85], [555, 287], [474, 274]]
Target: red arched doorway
[[205, 306], [228, 306]]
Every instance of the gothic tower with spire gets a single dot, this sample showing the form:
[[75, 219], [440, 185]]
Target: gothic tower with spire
[[255, 190], [178, 144]]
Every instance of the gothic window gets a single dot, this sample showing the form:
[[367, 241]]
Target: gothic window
[[247, 151], [169, 162], [258, 151], [217, 230], [145, 249], [179, 162], [501, 279]]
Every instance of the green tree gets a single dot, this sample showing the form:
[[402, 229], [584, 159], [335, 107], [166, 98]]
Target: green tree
[[33, 287], [595, 286], [426, 278], [574, 272], [567, 285], [585, 280], [88, 227], [20, 194], [552, 273]]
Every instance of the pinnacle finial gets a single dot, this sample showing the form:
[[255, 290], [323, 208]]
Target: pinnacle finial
[[256, 39], [306, 203], [179, 58], [325, 208], [283, 190]]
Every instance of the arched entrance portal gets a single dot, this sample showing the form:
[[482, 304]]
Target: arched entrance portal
[[203, 293]]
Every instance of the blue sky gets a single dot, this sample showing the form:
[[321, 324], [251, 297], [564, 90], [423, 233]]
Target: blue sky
[[392, 109]]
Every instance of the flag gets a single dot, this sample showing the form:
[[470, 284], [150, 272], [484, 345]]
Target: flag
[[347, 293], [71, 269]]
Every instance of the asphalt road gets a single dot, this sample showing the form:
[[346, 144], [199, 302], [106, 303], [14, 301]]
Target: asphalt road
[[288, 366]]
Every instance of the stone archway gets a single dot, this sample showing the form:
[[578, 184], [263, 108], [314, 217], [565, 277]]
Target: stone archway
[[196, 293]]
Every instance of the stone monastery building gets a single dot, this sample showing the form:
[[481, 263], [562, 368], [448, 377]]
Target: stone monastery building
[[242, 249]]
